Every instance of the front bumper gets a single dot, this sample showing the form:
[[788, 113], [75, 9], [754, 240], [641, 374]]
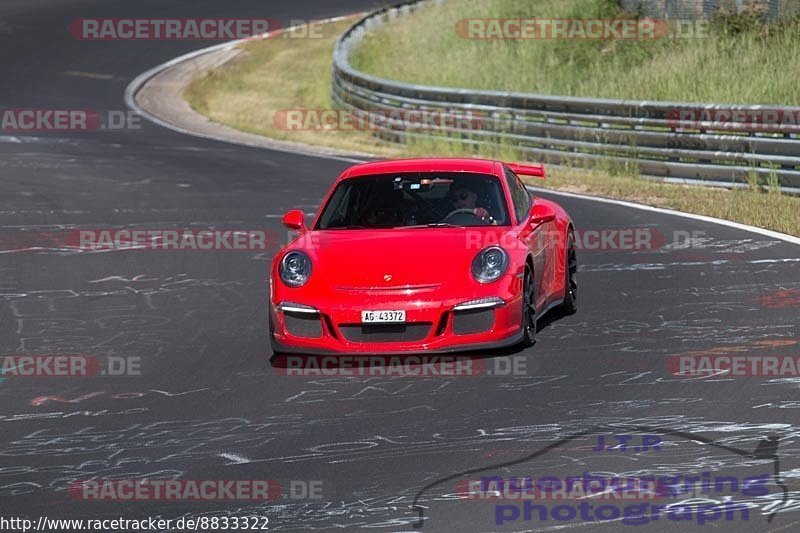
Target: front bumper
[[436, 326]]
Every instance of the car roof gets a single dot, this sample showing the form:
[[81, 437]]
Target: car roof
[[478, 166]]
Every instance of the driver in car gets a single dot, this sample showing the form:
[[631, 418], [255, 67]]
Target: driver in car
[[466, 198]]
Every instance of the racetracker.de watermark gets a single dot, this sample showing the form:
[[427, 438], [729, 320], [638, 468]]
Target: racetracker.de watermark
[[645, 29], [170, 29], [586, 485], [173, 239], [585, 240], [175, 490], [406, 119], [399, 366], [67, 366], [42, 120], [555, 489], [146, 489], [765, 119], [729, 365]]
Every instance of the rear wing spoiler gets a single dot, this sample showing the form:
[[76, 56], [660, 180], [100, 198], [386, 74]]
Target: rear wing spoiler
[[537, 171]]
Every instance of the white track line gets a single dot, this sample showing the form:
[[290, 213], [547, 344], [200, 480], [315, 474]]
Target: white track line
[[768, 233]]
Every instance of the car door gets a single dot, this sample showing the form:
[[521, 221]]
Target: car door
[[535, 240]]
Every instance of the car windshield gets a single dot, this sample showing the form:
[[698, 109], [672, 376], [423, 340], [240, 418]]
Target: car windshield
[[415, 200]]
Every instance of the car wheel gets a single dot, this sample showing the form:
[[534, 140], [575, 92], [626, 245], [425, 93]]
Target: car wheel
[[570, 305], [528, 310]]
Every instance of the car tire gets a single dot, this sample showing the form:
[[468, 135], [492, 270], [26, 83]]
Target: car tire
[[528, 310], [570, 305]]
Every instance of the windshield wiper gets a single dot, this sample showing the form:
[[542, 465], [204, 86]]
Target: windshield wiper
[[433, 225], [346, 227]]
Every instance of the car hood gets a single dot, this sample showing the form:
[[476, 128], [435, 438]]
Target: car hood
[[382, 259]]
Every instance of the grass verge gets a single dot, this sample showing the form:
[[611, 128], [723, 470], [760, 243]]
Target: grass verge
[[272, 76], [279, 74], [735, 59]]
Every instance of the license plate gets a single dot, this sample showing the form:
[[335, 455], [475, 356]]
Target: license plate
[[383, 317]]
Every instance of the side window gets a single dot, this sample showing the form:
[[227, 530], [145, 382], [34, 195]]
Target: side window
[[519, 195]]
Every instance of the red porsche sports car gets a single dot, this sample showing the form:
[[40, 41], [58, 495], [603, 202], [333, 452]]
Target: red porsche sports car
[[423, 255]]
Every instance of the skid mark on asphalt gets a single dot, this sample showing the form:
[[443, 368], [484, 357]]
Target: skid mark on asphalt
[[369, 505], [159, 447]]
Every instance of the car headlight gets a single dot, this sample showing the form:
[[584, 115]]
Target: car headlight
[[295, 269], [490, 264]]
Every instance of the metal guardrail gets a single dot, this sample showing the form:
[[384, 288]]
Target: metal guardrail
[[560, 129], [694, 9]]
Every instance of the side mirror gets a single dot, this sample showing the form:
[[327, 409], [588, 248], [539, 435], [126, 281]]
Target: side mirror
[[541, 214], [295, 220]]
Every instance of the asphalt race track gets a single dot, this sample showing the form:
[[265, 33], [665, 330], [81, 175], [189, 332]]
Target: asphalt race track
[[209, 403]]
